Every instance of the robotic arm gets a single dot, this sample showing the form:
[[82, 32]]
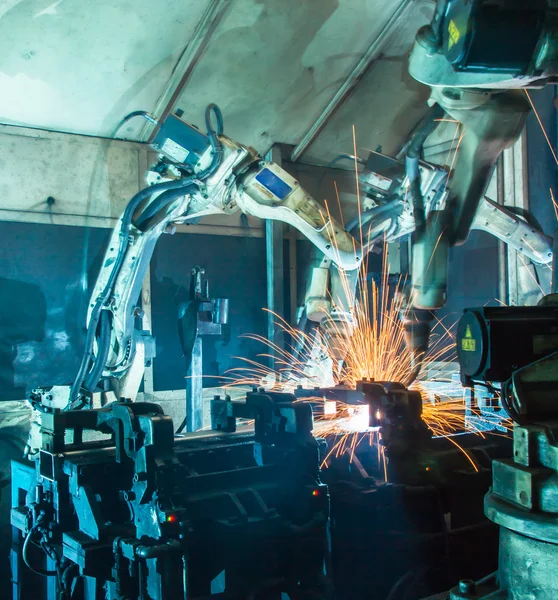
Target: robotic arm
[[476, 55], [197, 174]]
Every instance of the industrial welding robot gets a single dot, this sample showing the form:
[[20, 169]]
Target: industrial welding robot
[[111, 505], [125, 516]]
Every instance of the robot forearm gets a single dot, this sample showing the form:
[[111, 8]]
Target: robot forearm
[[272, 193]]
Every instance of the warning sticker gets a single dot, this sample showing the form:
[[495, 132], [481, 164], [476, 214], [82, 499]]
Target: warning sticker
[[468, 343], [174, 151], [454, 34], [379, 181]]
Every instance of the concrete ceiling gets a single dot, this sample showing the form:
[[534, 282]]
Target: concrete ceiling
[[272, 65]]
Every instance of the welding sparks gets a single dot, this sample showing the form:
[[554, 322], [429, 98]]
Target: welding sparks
[[373, 345], [364, 342]]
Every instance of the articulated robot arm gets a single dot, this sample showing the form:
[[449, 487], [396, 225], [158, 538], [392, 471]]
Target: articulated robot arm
[[470, 56], [196, 175], [477, 56]]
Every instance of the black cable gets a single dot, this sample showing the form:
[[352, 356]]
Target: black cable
[[41, 572], [506, 398], [387, 212], [402, 584], [413, 153], [213, 108], [160, 203], [437, 21], [103, 348], [345, 156], [136, 113]]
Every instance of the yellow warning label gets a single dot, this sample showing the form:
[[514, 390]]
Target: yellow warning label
[[468, 343], [454, 34]]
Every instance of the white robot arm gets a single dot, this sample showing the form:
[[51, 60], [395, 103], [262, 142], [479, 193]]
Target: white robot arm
[[196, 175]]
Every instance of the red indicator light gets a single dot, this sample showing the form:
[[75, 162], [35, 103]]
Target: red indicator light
[[171, 518], [427, 469], [315, 492]]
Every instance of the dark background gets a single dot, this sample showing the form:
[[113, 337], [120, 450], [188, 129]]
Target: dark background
[[47, 272], [235, 269], [46, 276]]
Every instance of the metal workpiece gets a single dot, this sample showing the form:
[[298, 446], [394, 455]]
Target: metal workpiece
[[527, 567], [524, 489], [390, 408], [142, 515]]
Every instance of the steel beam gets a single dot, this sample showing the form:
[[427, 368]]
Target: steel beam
[[194, 50], [513, 189], [369, 57], [194, 389], [293, 291], [274, 232]]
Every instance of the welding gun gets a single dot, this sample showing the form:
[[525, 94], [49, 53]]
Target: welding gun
[[477, 56], [197, 174]]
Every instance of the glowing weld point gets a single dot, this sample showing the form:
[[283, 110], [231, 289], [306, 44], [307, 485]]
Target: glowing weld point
[[378, 415], [330, 408]]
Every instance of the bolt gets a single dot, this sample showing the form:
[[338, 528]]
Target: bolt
[[467, 586]]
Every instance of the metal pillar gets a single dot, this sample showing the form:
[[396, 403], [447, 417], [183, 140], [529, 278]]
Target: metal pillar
[[512, 189], [194, 389], [354, 77], [293, 285], [274, 271]]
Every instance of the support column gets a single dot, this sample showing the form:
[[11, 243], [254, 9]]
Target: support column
[[522, 287], [293, 289], [274, 270], [194, 389]]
